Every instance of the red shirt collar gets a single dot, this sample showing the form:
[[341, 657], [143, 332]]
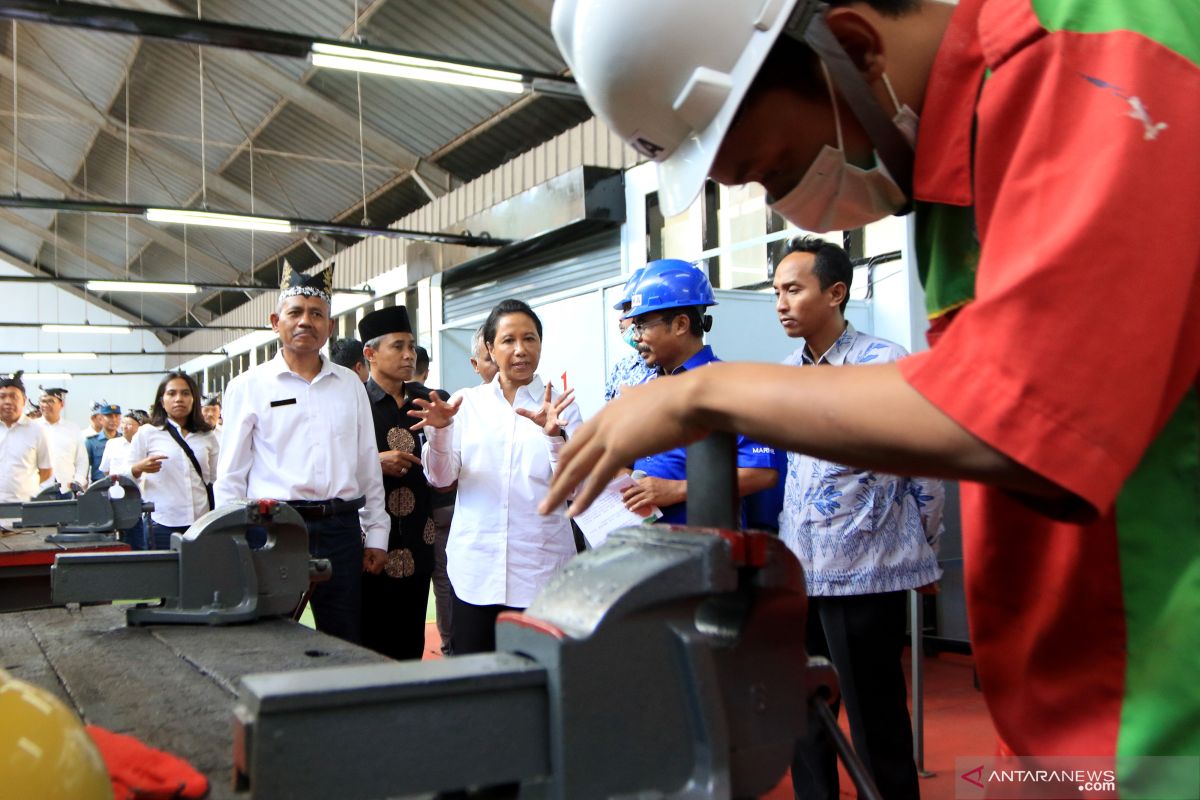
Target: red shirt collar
[[944, 139]]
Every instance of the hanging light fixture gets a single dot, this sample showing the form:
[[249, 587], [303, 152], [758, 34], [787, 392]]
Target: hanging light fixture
[[149, 287], [90, 329], [55, 355], [396, 65], [215, 220]]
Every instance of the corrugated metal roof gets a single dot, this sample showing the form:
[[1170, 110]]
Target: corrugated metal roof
[[305, 164]]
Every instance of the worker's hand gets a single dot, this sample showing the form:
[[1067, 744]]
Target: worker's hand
[[149, 464], [653, 492], [374, 560], [434, 412], [397, 463], [549, 416], [644, 420]]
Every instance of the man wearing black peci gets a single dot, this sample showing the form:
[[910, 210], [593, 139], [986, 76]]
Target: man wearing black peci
[[394, 601]]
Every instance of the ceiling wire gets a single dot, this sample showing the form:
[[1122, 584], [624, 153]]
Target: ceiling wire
[[16, 117], [128, 92], [203, 157], [362, 152]]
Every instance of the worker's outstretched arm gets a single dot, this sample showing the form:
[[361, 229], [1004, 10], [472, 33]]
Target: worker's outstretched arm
[[865, 416]]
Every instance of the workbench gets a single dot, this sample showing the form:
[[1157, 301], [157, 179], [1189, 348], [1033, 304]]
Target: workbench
[[172, 686], [25, 559]]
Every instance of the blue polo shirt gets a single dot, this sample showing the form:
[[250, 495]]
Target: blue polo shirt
[[672, 464]]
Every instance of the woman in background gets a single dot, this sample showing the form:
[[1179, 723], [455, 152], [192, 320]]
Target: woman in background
[[175, 456]]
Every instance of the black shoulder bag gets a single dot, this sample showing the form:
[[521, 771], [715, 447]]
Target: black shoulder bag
[[195, 463]]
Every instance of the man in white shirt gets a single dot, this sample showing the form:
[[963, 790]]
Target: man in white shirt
[[211, 410], [97, 424], [118, 460], [301, 431], [24, 452], [67, 449]]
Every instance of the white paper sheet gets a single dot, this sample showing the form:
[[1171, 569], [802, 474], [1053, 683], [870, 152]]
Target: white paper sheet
[[608, 513]]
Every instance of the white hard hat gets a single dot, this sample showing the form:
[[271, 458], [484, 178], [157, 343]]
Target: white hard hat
[[668, 76]]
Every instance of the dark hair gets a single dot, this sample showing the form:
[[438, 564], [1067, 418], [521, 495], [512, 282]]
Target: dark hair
[[422, 364], [503, 309], [795, 65], [346, 352], [831, 266], [699, 323], [138, 416], [212, 400], [158, 414], [14, 381]]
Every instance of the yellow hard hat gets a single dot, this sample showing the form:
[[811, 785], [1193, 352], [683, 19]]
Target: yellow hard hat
[[45, 754]]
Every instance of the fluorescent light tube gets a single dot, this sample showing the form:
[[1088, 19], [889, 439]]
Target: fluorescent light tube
[[239, 221], [358, 59], [57, 356], [141, 286], [101, 329]]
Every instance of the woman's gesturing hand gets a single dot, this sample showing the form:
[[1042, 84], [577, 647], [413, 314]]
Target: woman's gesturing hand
[[435, 412], [549, 416]]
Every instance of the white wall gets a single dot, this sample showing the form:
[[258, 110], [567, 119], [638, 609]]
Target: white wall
[[42, 303]]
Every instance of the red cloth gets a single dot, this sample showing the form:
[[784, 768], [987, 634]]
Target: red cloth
[[140, 772]]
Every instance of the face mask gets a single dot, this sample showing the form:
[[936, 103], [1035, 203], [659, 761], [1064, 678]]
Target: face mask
[[627, 335], [836, 196]]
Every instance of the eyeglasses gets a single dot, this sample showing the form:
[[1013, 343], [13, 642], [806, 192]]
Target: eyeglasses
[[639, 328]]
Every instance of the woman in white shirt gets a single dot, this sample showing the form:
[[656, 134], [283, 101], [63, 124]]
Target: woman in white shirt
[[178, 483], [500, 441]]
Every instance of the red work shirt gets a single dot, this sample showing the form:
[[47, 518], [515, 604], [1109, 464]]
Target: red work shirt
[[1078, 358]]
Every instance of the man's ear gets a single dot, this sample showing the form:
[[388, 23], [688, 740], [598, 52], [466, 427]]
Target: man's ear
[[837, 293], [861, 40], [275, 322]]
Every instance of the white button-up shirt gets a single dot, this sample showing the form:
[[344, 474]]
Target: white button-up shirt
[[500, 550], [118, 458], [176, 490], [24, 449], [289, 439], [67, 452]]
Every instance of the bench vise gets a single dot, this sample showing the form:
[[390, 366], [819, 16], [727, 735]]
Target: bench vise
[[669, 662], [211, 575], [92, 515]]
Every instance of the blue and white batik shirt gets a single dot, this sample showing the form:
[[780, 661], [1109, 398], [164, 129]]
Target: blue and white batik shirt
[[629, 371], [856, 531]]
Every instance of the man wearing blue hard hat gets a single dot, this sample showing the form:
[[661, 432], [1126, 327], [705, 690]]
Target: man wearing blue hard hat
[[668, 322], [110, 422], [630, 370]]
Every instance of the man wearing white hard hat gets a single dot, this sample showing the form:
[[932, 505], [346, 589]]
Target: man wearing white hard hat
[[1043, 148]]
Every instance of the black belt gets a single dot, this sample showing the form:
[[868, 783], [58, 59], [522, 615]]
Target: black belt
[[316, 509]]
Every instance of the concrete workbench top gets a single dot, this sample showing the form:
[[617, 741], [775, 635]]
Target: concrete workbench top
[[173, 687]]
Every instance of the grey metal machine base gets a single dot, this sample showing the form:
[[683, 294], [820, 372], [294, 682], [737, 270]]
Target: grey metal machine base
[[210, 574], [667, 663]]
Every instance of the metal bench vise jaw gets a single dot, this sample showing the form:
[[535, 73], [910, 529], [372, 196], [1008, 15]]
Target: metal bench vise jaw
[[669, 662], [91, 516], [209, 576]]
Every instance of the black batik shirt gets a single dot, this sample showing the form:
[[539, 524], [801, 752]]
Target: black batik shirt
[[407, 498]]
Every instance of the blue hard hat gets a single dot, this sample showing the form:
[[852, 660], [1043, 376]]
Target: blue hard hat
[[670, 283], [627, 291]]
